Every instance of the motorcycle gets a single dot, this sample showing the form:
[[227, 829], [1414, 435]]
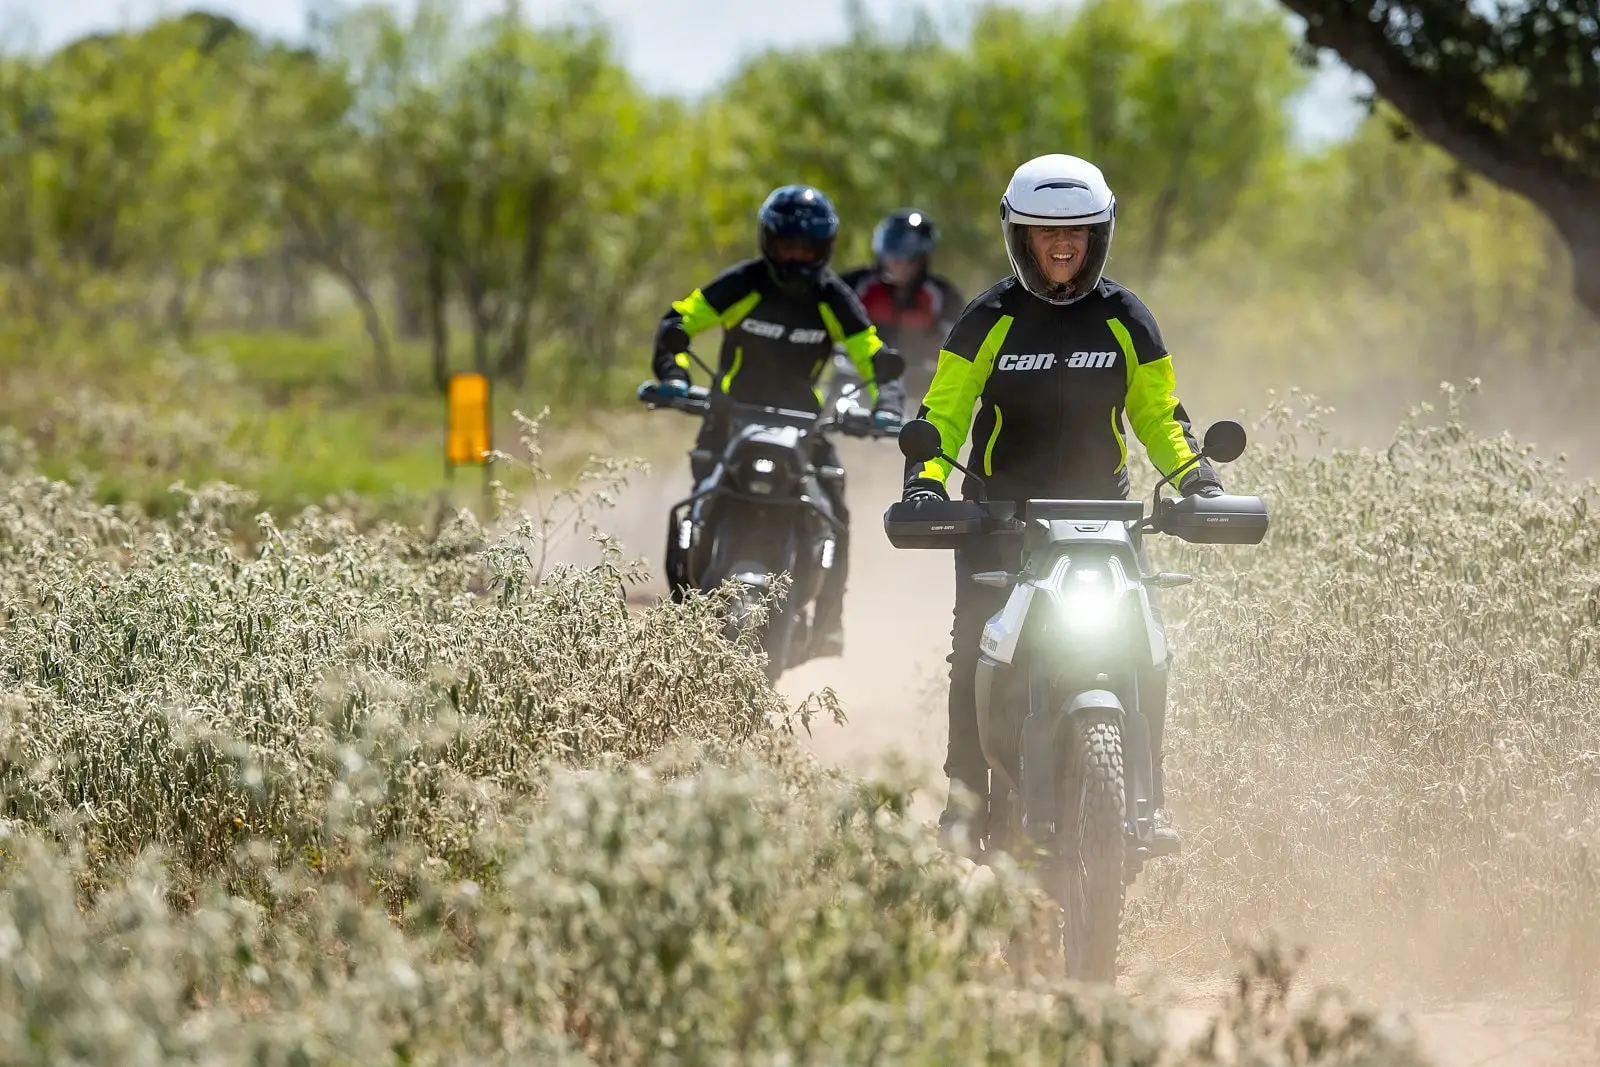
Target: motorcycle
[[763, 512], [1057, 682]]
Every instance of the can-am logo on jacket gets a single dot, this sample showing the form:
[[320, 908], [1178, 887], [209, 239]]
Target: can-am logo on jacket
[[1046, 360], [773, 331]]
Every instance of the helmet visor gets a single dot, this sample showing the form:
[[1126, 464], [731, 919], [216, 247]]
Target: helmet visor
[[799, 249], [1025, 264]]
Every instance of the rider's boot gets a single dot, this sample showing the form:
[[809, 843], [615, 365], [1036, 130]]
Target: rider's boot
[[827, 638], [1164, 839], [964, 822]]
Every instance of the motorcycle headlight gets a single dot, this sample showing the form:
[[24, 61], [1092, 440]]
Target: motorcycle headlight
[[1088, 597], [765, 475]]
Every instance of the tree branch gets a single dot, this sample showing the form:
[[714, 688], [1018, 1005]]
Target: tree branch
[[1361, 44]]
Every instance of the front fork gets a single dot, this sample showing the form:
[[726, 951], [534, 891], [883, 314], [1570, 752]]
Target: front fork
[[1043, 717]]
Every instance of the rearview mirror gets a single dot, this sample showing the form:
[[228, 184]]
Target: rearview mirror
[[920, 441], [1224, 441]]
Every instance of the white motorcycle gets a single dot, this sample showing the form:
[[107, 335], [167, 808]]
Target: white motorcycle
[[1059, 714]]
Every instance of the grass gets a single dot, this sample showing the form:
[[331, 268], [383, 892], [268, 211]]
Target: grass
[[294, 418]]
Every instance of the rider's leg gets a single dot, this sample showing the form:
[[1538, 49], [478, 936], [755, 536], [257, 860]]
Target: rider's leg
[[702, 461], [827, 637], [1153, 702], [964, 763]]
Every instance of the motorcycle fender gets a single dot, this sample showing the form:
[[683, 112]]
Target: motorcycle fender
[[1040, 750], [993, 723], [1158, 640], [1003, 632]]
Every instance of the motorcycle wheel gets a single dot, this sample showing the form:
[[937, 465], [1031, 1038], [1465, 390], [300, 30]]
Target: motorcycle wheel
[[1090, 850]]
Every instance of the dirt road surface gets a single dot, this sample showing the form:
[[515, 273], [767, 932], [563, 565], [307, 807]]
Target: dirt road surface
[[891, 683]]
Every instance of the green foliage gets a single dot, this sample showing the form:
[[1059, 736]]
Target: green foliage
[[515, 182], [1508, 89], [489, 195]]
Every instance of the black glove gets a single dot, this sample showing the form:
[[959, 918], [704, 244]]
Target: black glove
[[924, 489], [673, 339], [1200, 483]]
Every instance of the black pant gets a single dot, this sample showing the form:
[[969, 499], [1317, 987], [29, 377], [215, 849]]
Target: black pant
[[708, 448], [975, 605]]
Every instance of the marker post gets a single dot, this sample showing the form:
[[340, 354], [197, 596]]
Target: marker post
[[467, 438]]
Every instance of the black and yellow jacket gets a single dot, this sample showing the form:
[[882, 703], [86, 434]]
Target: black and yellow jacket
[[775, 344], [1053, 385]]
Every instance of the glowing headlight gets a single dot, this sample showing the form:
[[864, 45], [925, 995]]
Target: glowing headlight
[[763, 466], [1087, 597]]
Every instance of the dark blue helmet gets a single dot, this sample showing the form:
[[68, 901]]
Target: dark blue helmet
[[798, 225], [906, 234]]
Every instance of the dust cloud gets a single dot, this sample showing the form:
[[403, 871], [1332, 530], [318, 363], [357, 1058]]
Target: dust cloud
[[891, 684]]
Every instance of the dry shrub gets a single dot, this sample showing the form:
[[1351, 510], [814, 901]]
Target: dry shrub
[[1387, 717], [163, 690], [362, 796], [698, 911]]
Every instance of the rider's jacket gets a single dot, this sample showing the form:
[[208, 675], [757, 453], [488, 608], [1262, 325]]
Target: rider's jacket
[[913, 320], [1053, 384], [774, 344]]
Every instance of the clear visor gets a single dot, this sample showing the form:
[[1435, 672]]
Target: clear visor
[[1019, 249]]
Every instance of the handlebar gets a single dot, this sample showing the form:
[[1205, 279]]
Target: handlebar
[[1226, 519], [699, 401]]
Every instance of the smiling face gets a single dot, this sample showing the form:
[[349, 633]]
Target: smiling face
[[1059, 250]]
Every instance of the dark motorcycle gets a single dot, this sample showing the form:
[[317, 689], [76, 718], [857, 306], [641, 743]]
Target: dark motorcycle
[[762, 512], [1057, 682], [843, 385]]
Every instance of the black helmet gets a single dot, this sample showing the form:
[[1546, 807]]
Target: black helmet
[[906, 234], [798, 225]]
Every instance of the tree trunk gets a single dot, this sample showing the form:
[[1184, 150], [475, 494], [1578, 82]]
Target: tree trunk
[[437, 310], [188, 300], [292, 299], [1580, 228], [383, 361], [1165, 207], [1566, 200], [410, 294], [514, 357]]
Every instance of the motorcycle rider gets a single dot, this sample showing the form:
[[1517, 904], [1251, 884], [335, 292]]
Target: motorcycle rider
[[781, 314], [912, 307], [1056, 356]]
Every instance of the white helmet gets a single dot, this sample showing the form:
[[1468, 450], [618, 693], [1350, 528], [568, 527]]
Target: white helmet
[[1058, 190]]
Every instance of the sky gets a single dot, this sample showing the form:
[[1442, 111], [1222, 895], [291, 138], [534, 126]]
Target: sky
[[677, 46]]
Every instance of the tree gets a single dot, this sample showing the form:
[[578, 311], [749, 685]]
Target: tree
[[1512, 90], [129, 148], [1178, 102], [319, 167]]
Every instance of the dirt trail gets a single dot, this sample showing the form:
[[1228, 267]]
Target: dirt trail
[[891, 685]]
